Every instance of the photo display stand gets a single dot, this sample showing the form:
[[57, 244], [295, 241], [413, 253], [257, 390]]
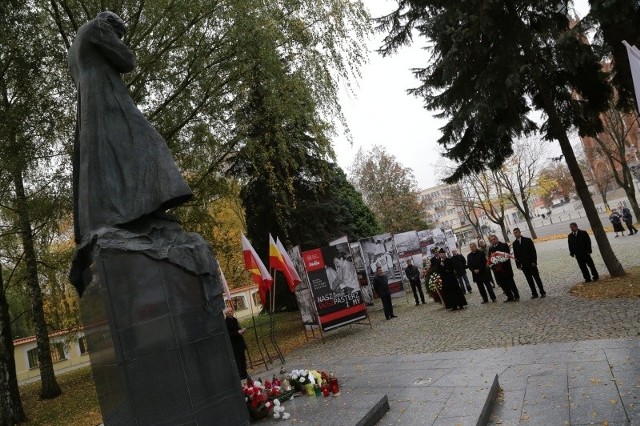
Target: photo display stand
[[335, 288]]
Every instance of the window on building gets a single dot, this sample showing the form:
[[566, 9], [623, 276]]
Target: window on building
[[57, 352], [32, 355], [256, 298], [239, 303], [82, 345]]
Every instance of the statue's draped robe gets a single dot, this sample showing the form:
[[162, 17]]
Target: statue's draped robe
[[122, 167]]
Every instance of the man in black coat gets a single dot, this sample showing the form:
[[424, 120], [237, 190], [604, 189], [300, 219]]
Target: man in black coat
[[477, 264], [527, 260], [460, 267], [580, 248], [627, 218], [504, 271], [413, 275], [381, 286]]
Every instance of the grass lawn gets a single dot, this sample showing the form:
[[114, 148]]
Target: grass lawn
[[78, 404], [611, 287]]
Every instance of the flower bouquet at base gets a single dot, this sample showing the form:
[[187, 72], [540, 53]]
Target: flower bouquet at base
[[257, 400], [496, 260], [261, 397], [434, 285]]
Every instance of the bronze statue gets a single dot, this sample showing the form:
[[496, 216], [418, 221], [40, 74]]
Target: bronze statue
[[122, 167]]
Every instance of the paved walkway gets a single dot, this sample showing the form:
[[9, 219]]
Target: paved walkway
[[524, 329]]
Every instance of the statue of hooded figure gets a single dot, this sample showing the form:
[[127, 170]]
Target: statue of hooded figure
[[123, 171], [122, 167]]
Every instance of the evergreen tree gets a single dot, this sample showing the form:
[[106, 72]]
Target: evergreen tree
[[492, 63], [617, 20]]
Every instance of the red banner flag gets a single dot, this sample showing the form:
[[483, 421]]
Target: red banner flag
[[259, 272], [293, 279]]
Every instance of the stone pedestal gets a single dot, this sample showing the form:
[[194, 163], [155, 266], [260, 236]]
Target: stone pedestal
[[159, 353]]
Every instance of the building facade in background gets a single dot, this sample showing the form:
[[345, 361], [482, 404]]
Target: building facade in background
[[445, 210], [68, 351]]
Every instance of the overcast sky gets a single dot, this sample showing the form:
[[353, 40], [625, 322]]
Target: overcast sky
[[382, 113]]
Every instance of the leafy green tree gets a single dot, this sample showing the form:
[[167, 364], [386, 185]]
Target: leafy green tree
[[283, 109], [554, 181], [329, 209], [389, 189], [32, 121], [617, 20], [492, 63], [11, 411]]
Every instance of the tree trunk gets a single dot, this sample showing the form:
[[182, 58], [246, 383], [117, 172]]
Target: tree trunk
[[630, 190], [50, 388], [531, 228], [11, 411], [603, 194], [505, 234], [527, 214], [559, 132]]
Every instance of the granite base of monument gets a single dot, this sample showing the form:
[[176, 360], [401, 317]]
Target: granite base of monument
[[158, 354]]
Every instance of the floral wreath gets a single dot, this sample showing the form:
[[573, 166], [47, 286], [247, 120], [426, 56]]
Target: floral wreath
[[435, 282]]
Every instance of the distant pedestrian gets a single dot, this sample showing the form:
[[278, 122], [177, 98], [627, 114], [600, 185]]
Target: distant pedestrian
[[460, 267], [627, 217], [616, 220], [504, 270], [238, 345], [381, 286], [580, 248], [527, 260], [477, 264], [413, 275]]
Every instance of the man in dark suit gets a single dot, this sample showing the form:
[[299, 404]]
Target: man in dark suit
[[413, 275], [527, 260], [477, 263], [504, 271], [580, 248], [381, 286]]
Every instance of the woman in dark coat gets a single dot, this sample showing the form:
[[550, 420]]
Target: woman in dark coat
[[453, 297], [616, 221], [236, 335]]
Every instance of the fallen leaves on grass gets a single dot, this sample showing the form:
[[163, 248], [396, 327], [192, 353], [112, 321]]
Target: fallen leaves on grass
[[77, 406], [611, 287]]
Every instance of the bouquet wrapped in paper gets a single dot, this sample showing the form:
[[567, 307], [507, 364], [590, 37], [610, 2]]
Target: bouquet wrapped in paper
[[497, 258]]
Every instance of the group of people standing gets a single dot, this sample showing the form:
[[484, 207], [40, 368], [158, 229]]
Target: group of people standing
[[622, 214], [452, 269], [455, 282]]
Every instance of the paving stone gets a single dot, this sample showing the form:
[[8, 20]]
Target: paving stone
[[465, 402], [508, 408], [420, 413], [457, 421], [596, 405], [393, 416], [582, 374]]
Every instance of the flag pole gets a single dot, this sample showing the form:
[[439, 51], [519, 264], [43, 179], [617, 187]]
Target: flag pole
[[272, 316]]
